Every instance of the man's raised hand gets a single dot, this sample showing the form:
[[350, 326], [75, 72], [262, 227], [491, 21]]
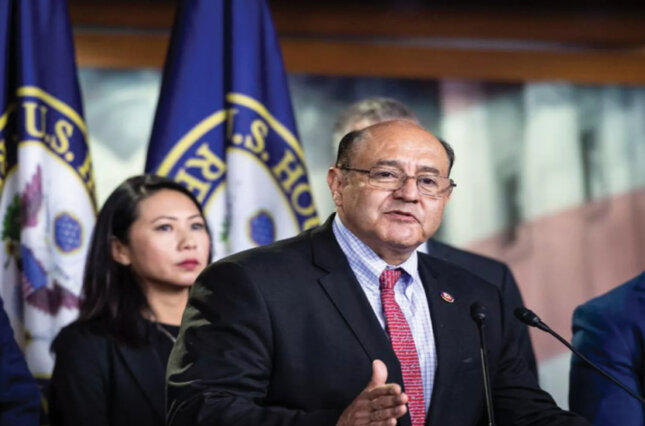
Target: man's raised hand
[[379, 404]]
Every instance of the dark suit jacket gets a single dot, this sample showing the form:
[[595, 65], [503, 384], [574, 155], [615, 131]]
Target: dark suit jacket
[[498, 274], [284, 335], [98, 381], [19, 394], [610, 331]]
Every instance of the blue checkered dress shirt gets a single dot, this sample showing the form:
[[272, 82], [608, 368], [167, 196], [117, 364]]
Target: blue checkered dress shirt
[[408, 293]]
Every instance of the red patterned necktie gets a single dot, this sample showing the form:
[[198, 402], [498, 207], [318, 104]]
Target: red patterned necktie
[[403, 345]]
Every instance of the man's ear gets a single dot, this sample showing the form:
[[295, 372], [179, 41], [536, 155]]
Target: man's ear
[[120, 252], [449, 195], [335, 182]]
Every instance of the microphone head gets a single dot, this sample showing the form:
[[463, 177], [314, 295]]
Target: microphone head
[[527, 316], [478, 312]]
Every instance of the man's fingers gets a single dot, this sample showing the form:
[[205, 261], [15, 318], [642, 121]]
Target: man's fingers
[[384, 402], [379, 374], [382, 390], [387, 414], [389, 422]]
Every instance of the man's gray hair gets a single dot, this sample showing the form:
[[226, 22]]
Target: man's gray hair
[[367, 112]]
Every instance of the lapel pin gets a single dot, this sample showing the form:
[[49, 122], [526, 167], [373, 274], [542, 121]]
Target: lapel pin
[[447, 297]]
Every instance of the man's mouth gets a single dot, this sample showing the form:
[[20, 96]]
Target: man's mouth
[[402, 216]]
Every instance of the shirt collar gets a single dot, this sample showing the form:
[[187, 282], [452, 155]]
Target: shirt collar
[[361, 256]]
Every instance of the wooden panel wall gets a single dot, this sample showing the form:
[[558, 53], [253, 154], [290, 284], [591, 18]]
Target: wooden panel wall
[[393, 43]]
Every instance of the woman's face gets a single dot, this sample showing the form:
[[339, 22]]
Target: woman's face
[[168, 243]]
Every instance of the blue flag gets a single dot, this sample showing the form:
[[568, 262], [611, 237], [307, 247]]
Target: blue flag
[[224, 125], [47, 209]]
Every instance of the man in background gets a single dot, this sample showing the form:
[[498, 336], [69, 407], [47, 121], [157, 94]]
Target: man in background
[[374, 110]]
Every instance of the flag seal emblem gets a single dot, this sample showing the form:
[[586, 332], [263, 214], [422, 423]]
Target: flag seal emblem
[[262, 228], [68, 232]]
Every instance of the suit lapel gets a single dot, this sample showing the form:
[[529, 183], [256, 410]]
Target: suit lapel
[[144, 365], [345, 292], [446, 324]]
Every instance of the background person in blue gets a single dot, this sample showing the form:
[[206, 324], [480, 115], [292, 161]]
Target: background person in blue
[[19, 394], [610, 330]]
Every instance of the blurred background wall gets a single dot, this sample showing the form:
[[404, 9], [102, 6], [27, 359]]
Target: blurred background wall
[[543, 103]]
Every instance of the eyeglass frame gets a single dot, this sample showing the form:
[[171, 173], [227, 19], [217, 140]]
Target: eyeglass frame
[[403, 180]]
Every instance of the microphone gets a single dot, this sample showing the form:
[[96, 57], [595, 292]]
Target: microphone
[[528, 317], [478, 314]]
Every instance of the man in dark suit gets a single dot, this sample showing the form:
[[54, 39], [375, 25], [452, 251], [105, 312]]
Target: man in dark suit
[[610, 330], [374, 110], [19, 394], [347, 324]]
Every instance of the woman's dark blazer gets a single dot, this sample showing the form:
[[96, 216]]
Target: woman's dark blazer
[[99, 381]]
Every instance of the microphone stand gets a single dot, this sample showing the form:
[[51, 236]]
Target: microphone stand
[[478, 314]]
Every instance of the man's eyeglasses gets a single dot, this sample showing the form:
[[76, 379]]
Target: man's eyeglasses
[[392, 179]]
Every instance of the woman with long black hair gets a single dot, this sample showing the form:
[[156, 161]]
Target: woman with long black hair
[[149, 244]]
